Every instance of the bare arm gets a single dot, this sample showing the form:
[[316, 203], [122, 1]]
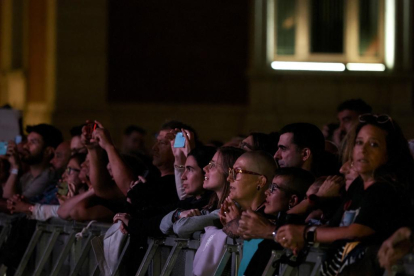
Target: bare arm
[[98, 173], [66, 208], [122, 175], [292, 236], [98, 212]]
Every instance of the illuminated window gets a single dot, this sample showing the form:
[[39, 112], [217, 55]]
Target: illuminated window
[[339, 31]]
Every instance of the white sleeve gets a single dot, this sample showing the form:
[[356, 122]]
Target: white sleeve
[[178, 184], [44, 212]]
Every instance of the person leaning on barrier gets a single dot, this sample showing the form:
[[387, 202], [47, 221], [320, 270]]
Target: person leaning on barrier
[[69, 186], [382, 159], [249, 178], [215, 179], [38, 151], [288, 188]]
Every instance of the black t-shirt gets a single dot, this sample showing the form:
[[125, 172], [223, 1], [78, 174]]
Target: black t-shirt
[[383, 207], [351, 200]]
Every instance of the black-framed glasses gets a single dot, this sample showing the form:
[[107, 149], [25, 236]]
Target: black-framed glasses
[[380, 119], [234, 171], [273, 187], [69, 170]]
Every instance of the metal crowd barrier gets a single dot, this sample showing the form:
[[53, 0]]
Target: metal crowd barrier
[[55, 250]]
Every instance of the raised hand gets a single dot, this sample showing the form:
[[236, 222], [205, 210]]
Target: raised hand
[[331, 186], [102, 136]]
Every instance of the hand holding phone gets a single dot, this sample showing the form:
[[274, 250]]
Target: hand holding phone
[[3, 148], [179, 140], [89, 128], [63, 188]]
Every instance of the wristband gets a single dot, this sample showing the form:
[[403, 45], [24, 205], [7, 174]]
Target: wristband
[[14, 171]]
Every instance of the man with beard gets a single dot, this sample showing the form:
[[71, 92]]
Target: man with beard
[[61, 158], [38, 152]]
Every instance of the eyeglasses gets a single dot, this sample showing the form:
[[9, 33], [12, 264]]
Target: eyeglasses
[[211, 165], [70, 169], [275, 187], [245, 146], [380, 119], [234, 171]]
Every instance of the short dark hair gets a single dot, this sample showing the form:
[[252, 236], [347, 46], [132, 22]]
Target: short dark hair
[[357, 105], [52, 136], [133, 128], [306, 135], [173, 124], [80, 157], [76, 131], [299, 180], [266, 142]]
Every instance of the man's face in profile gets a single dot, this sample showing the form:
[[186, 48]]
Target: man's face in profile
[[347, 118], [288, 153], [161, 151]]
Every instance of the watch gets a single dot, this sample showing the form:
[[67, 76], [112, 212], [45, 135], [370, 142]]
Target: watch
[[310, 235]]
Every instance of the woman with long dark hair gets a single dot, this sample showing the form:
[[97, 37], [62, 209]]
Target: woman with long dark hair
[[377, 206]]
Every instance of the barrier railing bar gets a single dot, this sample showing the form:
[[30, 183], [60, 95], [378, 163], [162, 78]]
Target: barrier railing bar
[[27, 254], [4, 232], [172, 258], [270, 268], [85, 251], [52, 241], [235, 262], [224, 259], [63, 255], [3, 270], [152, 248], [121, 257]]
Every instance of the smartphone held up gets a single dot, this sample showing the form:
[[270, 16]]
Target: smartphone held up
[[179, 140]]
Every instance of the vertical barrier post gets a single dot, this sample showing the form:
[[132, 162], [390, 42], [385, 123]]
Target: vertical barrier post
[[35, 238]]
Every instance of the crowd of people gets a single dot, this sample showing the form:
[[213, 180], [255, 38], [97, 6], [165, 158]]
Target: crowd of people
[[347, 187]]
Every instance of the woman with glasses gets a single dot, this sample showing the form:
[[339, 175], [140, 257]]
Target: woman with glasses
[[381, 157], [185, 222]]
